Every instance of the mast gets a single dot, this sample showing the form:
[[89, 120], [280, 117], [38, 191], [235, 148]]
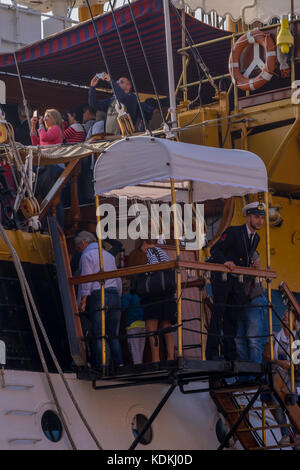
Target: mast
[[170, 63]]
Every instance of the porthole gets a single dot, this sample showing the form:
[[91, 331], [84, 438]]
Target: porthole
[[51, 426], [137, 425], [221, 431]]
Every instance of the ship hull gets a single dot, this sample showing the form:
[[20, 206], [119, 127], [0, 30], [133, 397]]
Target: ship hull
[[186, 421]]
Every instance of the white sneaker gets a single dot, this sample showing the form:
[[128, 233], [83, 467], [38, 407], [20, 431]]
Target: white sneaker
[[296, 440], [285, 440]]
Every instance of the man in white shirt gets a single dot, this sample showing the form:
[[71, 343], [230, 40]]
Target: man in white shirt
[[89, 297]]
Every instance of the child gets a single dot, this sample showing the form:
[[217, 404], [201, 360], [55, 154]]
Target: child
[[135, 325]]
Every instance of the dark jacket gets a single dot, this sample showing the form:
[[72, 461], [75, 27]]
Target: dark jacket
[[128, 99], [234, 245]]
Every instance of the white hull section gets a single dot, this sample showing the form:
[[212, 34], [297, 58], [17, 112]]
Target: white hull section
[[185, 422]]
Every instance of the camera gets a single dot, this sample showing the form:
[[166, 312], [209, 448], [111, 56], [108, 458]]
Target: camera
[[100, 75]]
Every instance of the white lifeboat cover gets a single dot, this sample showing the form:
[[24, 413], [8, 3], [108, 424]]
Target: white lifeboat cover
[[140, 160]]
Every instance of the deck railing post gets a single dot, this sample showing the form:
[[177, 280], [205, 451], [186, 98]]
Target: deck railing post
[[269, 286], [178, 272], [102, 283]]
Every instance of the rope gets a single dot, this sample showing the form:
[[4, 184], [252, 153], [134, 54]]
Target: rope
[[22, 91], [146, 126], [147, 62], [28, 295], [102, 51], [21, 277], [198, 59]]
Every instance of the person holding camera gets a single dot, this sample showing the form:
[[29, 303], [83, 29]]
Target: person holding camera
[[50, 131], [122, 89]]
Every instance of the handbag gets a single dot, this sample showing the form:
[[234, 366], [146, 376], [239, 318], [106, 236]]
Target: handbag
[[155, 283]]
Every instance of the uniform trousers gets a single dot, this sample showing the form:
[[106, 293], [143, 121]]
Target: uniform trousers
[[223, 320]]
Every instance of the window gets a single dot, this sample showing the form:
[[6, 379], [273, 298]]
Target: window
[[51, 426], [137, 425]]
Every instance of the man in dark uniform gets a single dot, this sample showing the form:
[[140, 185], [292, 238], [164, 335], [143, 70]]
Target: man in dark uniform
[[235, 247]]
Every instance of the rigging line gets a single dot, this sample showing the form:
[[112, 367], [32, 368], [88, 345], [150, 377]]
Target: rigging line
[[198, 58], [22, 91], [21, 277], [146, 125], [102, 52], [194, 54], [146, 60], [29, 298]]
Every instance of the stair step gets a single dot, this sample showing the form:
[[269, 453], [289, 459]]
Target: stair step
[[262, 428], [21, 412], [17, 387], [277, 446], [237, 389], [254, 408], [22, 441]]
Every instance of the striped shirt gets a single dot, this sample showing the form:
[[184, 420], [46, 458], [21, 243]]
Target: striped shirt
[[156, 255], [75, 133]]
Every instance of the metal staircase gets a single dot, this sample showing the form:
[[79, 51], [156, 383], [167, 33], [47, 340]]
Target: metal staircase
[[249, 419]]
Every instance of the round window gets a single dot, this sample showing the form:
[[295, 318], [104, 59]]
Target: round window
[[221, 431], [137, 425], [51, 426]]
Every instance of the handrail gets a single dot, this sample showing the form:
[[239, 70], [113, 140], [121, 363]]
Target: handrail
[[123, 272], [58, 186], [145, 268], [230, 36], [265, 273], [291, 299]]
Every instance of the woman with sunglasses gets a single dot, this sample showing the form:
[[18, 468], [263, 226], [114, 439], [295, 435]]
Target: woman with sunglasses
[[50, 130]]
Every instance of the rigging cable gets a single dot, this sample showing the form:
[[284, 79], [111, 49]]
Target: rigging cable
[[146, 126], [198, 66], [102, 52], [28, 297], [22, 91], [147, 62], [21, 277], [196, 54]]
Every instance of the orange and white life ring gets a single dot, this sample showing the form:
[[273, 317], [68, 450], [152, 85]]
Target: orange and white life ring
[[243, 80]]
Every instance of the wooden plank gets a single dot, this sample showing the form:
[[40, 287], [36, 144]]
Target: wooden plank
[[122, 272], [58, 186], [129, 271], [265, 273], [67, 294]]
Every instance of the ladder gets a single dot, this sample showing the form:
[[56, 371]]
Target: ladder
[[238, 403], [67, 293]]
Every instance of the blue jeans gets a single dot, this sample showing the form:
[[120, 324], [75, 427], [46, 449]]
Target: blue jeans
[[112, 324], [252, 323]]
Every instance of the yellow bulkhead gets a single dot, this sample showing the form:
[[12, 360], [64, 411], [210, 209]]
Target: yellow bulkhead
[[34, 248]]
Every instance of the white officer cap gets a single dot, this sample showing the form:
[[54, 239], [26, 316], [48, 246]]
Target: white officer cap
[[258, 208]]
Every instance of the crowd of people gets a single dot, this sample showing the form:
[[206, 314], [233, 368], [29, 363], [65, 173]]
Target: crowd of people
[[143, 315], [238, 326], [80, 123]]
